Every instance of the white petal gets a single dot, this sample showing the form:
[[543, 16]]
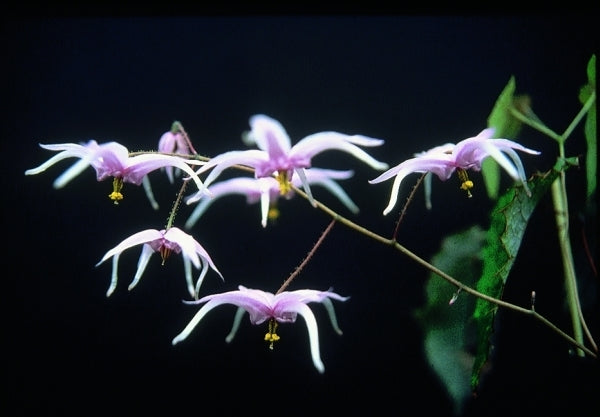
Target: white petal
[[147, 252], [313, 335], [196, 319]]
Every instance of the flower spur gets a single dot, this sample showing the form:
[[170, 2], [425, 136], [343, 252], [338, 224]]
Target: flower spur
[[165, 242], [277, 308], [467, 154], [267, 191], [111, 159], [277, 156]]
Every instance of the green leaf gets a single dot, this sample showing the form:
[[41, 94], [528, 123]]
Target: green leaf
[[490, 170], [508, 221], [506, 126], [591, 156], [449, 333]]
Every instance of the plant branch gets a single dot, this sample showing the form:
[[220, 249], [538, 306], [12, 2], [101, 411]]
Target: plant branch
[[305, 260], [400, 248]]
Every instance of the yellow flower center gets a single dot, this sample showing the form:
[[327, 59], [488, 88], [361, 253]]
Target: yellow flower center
[[116, 195], [284, 182], [271, 336], [465, 183]]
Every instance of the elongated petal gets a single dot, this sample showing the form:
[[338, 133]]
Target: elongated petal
[[251, 158], [149, 193], [442, 167], [198, 211], [265, 202], [196, 319], [270, 136], [114, 275], [251, 301], [502, 160], [237, 319], [69, 150], [201, 279], [141, 165], [332, 317], [306, 296], [145, 256], [520, 174], [316, 143], [250, 187], [136, 239], [304, 181], [335, 189], [187, 266], [257, 303], [73, 171], [313, 335]]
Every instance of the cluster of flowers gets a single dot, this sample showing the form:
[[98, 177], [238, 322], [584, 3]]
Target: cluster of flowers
[[278, 168]]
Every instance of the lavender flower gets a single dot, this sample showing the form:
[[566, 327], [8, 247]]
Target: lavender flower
[[467, 154], [263, 306], [276, 155], [165, 242], [173, 142], [267, 191], [111, 159]]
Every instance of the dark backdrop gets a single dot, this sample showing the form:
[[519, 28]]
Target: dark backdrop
[[414, 81]]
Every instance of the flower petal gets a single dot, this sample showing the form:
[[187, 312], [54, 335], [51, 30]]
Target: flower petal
[[313, 335], [316, 143], [270, 136], [196, 319], [219, 163], [145, 256], [136, 239]]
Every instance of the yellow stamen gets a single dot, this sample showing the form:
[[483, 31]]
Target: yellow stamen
[[116, 195], [284, 182], [273, 213], [271, 336], [466, 183]]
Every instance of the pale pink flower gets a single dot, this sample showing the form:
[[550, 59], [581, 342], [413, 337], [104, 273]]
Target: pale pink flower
[[466, 154], [267, 191], [164, 242], [277, 308], [276, 155], [111, 159]]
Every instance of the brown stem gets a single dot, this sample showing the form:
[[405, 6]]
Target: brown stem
[[305, 260]]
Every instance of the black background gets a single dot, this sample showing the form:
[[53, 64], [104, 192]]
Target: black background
[[415, 81]]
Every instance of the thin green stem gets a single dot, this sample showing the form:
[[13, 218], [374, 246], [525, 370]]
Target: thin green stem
[[535, 124], [561, 213], [561, 208], [586, 107], [176, 204]]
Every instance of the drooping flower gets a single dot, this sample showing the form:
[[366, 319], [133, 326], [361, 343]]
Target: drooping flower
[[173, 141], [267, 191], [277, 156], [277, 308], [466, 154], [111, 159], [164, 242], [170, 142]]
